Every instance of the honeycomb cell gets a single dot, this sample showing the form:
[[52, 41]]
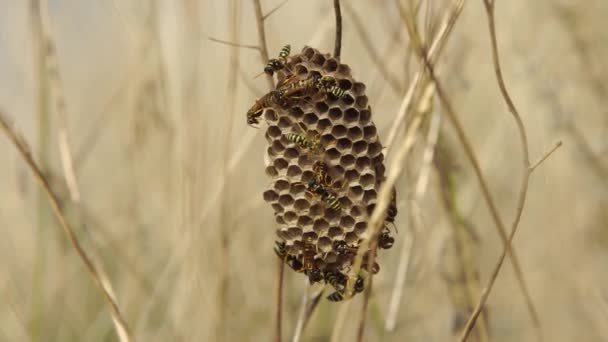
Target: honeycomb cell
[[370, 132], [291, 153], [321, 107], [325, 244], [360, 147], [354, 133], [351, 238], [332, 153], [378, 159], [374, 148], [356, 192], [280, 164], [335, 113], [301, 70], [351, 175], [307, 175], [331, 257], [335, 232], [308, 52], [367, 180], [278, 209], [344, 69], [344, 145], [347, 160], [277, 147], [320, 226], [358, 211], [310, 119], [360, 227], [323, 124], [310, 237], [361, 101], [365, 116], [305, 160], [301, 204], [281, 185], [347, 222], [345, 202], [339, 131], [273, 132], [318, 59], [271, 171], [293, 171], [328, 139], [351, 115], [358, 88], [315, 210], [270, 115], [347, 100], [290, 216], [286, 200], [270, 195], [296, 112], [283, 234], [369, 195], [345, 84], [330, 65]]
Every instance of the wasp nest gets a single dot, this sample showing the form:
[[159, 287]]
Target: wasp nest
[[326, 164]]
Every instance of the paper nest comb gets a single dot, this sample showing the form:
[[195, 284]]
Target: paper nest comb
[[351, 150]]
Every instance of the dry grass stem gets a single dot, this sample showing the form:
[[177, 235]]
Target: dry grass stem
[[279, 301], [265, 16], [338, 42], [225, 42], [310, 300], [547, 155], [263, 46], [122, 328]]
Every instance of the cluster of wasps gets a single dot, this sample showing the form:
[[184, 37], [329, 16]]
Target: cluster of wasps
[[321, 186]]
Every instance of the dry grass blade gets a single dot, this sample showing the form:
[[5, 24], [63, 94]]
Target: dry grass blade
[[279, 301], [265, 16], [338, 43], [263, 47], [122, 328], [547, 155], [309, 304], [225, 42]]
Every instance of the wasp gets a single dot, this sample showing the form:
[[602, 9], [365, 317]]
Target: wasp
[[290, 260], [385, 241], [338, 295], [342, 248], [277, 64], [320, 182], [309, 250], [296, 89], [273, 98], [305, 141]]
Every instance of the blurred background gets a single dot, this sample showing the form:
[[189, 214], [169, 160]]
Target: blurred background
[[167, 181]]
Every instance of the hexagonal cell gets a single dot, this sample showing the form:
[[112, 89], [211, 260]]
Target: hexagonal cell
[[290, 216], [284, 122], [370, 132], [323, 124], [293, 171], [359, 147], [362, 101], [369, 195], [330, 65], [308, 52], [347, 160], [344, 70], [318, 59], [339, 131], [338, 170], [367, 180], [281, 185], [301, 204], [282, 234], [315, 209], [296, 112], [331, 257], [273, 132], [327, 139], [370, 208], [380, 169], [345, 84], [365, 116], [296, 188], [307, 175], [347, 222], [291, 153], [360, 227], [310, 237], [374, 148], [285, 200], [321, 107], [347, 100], [335, 232], [271, 171], [351, 175], [280, 164], [378, 159], [345, 202], [332, 153], [351, 238], [304, 221], [270, 195], [354, 133], [324, 244], [331, 215], [277, 147], [270, 115], [358, 88], [355, 191], [358, 211], [277, 208], [344, 144], [301, 69], [351, 115], [310, 119], [335, 113]]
